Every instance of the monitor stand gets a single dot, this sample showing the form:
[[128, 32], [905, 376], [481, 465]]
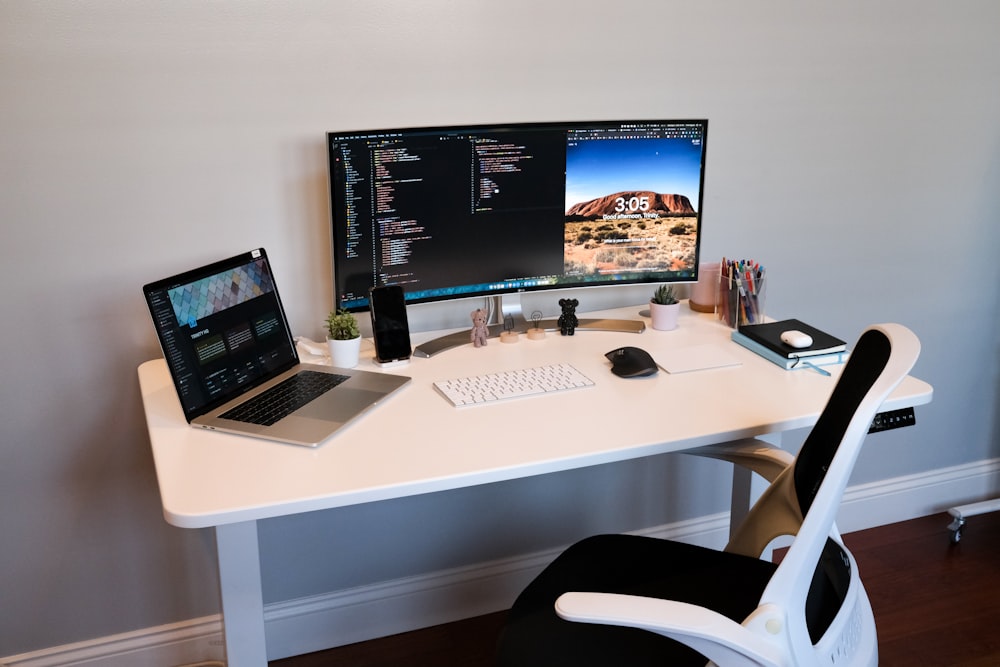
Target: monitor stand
[[508, 316]]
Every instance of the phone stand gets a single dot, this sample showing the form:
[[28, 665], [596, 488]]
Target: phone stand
[[390, 364]]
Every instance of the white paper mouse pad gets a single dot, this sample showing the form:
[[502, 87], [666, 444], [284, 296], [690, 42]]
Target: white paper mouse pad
[[696, 358]]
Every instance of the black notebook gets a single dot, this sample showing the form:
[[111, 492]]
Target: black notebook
[[769, 335]]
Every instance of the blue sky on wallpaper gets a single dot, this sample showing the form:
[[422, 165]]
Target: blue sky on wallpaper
[[600, 167]]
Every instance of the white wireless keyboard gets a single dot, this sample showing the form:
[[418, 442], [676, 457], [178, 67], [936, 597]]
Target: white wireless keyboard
[[491, 387]]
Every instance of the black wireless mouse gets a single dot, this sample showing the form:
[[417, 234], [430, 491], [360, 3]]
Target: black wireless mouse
[[631, 362]]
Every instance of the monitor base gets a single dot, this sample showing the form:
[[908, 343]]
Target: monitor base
[[448, 341]]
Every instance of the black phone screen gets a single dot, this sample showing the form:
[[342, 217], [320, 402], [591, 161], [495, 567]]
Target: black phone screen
[[389, 324]]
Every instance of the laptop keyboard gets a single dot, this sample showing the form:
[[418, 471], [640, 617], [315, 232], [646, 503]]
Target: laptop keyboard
[[284, 398]]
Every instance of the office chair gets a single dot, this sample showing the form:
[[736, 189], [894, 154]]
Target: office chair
[[633, 600]]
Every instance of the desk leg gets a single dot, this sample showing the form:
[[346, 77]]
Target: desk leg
[[242, 598], [743, 497]]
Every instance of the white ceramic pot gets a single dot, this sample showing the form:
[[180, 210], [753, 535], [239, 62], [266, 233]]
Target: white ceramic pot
[[344, 353], [664, 316]]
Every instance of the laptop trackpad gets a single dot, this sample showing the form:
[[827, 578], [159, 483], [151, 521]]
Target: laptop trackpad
[[340, 404]]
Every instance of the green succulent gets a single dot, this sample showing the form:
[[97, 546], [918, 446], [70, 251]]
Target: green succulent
[[664, 295], [342, 325]]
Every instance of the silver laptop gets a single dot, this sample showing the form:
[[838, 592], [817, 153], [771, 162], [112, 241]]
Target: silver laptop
[[233, 361]]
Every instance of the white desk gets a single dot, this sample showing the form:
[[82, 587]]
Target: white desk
[[418, 443]]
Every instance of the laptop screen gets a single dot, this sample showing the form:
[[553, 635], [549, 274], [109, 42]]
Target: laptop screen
[[222, 330]]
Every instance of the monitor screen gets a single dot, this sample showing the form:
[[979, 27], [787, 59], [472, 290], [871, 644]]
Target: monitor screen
[[451, 212]]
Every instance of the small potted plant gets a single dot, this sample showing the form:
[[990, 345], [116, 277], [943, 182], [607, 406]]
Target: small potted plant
[[344, 338], [664, 308]]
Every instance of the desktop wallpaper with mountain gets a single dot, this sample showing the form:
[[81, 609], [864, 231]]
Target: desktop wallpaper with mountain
[[630, 205]]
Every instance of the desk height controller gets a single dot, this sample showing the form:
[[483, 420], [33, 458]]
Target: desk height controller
[[885, 421]]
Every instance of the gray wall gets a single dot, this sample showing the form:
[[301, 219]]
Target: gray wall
[[853, 146]]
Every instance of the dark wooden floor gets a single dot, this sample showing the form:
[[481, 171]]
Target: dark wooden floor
[[935, 604]]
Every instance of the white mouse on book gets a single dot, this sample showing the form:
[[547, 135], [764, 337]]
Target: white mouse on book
[[796, 339]]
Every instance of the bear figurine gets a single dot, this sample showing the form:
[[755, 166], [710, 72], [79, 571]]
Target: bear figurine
[[480, 332], [568, 320]]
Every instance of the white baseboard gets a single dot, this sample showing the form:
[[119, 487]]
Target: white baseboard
[[194, 642], [911, 496], [319, 622]]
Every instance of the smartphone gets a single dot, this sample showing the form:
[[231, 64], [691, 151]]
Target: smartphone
[[392, 331]]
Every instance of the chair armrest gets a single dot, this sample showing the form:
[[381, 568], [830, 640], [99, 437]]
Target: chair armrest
[[761, 457], [720, 639]]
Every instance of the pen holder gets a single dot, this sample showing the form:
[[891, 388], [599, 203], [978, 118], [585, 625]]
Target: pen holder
[[741, 299]]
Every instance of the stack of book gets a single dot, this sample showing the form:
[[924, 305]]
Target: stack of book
[[765, 340]]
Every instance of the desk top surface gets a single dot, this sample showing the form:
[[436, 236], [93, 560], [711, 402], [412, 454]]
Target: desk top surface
[[416, 442]]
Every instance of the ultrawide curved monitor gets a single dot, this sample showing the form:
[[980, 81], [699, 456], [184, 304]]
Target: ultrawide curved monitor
[[454, 212]]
